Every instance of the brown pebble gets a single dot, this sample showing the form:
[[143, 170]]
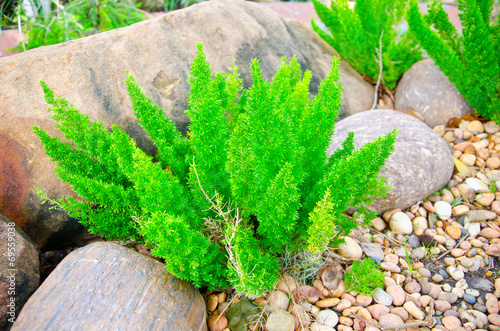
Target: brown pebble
[[217, 323], [212, 302], [326, 303]]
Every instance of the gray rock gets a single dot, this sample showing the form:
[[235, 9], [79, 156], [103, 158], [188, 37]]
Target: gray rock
[[90, 72], [19, 275], [427, 91], [111, 287], [482, 284], [382, 297], [420, 164], [373, 250]]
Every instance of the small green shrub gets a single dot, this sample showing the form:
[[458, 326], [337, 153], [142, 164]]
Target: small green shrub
[[223, 203], [364, 277], [75, 20], [355, 34], [471, 60]]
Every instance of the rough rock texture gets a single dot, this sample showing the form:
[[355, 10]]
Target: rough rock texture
[[90, 72], [19, 276], [104, 286], [420, 164], [426, 90]]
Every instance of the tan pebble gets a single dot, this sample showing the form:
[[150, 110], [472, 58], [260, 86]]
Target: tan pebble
[[425, 300], [457, 252], [379, 224], [479, 163], [454, 231], [363, 312], [455, 191], [465, 245], [495, 206], [261, 301], [388, 214], [222, 297], [475, 127], [300, 313], [344, 320], [315, 310], [419, 225], [401, 312], [485, 199], [461, 146], [497, 284], [466, 191], [483, 153], [321, 288], [460, 210], [451, 322], [217, 323], [287, 284], [476, 243], [363, 300], [449, 137], [440, 129], [278, 300], [493, 162], [422, 212], [391, 258], [223, 307], [351, 310], [470, 150], [489, 233], [491, 303], [349, 297], [466, 134], [343, 304], [429, 207], [212, 302], [413, 310], [326, 303]]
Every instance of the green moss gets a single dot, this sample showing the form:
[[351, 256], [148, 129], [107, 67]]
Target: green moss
[[364, 277]]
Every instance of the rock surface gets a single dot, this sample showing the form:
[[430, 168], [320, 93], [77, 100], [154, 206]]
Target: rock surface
[[90, 72], [111, 287], [19, 275], [426, 90], [420, 164]]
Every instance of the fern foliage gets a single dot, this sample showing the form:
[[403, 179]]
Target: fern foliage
[[471, 60], [355, 33], [250, 180]]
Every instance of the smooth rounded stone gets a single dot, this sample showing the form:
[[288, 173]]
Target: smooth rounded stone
[[390, 266], [378, 310], [441, 305], [413, 310], [418, 151], [212, 302], [473, 229], [343, 304], [389, 281], [413, 287], [462, 284], [454, 231], [278, 300], [414, 241], [493, 250], [494, 319], [485, 199], [390, 321], [435, 290], [376, 260], [473, 292], [446, 287], [373, 250], [397, 293], [437, 278], [470, 299], [382, 297], [492, 304], [21, 276], [468, 159], [99, 285], [402, 251], [480, 307], [479, 318], [280, 320], [457, 252], [379, 224], [493, 162], [451, 323], [350, 249], [401, 312], [455, 273], [466, 262], [420, 224], [460, 210], [427, 91], [449, 261], [401, 223], [443, 210], [343, 320], [477, 185], [446, 296], [489, 233], [327, 317], [458, 292], [326, 303], [418, 253], [287, 284], [340, 328], [363, 300], [466, 191]]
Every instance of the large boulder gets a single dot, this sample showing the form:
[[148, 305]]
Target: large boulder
[[420, 164], [90, 72], [427, 91], [104, 286], [19, 276]]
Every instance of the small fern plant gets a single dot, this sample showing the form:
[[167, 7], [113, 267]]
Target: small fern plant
[[471, 60], [248, 181], [358, 33]]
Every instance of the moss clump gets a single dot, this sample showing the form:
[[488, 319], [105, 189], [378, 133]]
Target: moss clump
[[364, 277]]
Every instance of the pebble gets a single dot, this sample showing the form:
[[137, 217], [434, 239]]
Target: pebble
[[460, 210], [350, 249], [443, 210], [469, 298], [455, 273], [449, 297], [477, 185], [401, 223], [343, 304], [475, 127], [485, 199], [441, 305], [390, 266], [437, 278], [419, 225], [363, 300], [494, 319], [378, 310], [451, 323], [327, 317], [491, 304], [280, 320], [489, 233], [390, 321], [457, 252], [217, 323], [397, 293], [379, 224], [278, 300], [413, 287], [287, 284], [382, 297], [326, 303], [454, 231], [413, 310]]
